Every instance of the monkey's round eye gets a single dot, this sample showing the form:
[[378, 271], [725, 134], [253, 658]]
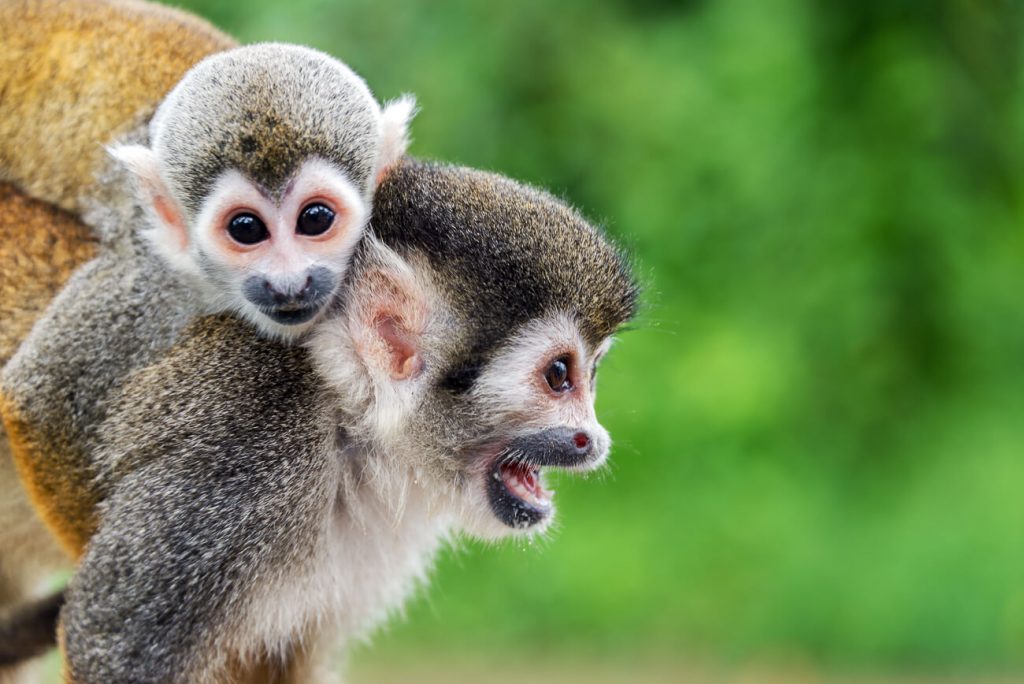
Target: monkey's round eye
[[247, 229], [315, 220], [557, 375]]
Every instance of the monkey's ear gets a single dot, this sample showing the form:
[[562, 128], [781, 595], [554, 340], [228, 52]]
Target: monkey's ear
[[169, 235], [395, 118], [391, 312]]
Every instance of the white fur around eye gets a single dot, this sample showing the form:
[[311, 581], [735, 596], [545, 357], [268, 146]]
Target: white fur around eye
[[318, 179], [230, 191], [508, 380], [512, 386]]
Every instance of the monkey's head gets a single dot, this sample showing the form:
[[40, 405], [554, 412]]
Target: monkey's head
[[260, 176], [474, 320]]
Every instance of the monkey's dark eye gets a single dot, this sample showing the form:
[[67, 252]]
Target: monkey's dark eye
[[315, 220], [247, 229], [557, 375]]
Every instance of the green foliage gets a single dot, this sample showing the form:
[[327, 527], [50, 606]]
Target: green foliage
[[820, 450]]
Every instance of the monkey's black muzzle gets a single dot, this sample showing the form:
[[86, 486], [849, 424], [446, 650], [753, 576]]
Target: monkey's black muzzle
[[561, 447], [514, 488], [291, 305]]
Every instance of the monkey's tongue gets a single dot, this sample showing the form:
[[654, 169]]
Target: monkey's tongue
[[523, 480]]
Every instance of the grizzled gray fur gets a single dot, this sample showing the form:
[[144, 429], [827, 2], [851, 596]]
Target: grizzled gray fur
[[244, 500], [225, 114]]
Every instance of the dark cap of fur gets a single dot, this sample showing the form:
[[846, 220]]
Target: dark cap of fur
[[506, 253], [264, 109]]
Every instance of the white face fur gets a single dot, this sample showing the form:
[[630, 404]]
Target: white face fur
[[542, 386], [531, 408], [275, 261]]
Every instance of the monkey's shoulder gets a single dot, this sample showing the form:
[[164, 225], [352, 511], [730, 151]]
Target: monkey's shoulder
[[220, 391]]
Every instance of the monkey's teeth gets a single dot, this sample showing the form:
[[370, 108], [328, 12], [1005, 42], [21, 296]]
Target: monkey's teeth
[[524, 482]]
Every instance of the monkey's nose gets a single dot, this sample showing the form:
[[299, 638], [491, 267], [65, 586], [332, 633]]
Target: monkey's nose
[[290, 295], [557, 446], [276, 295], [582, 442]]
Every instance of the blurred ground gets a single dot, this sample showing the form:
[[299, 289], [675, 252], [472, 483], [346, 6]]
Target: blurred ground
[[505, 672], [512, 669]]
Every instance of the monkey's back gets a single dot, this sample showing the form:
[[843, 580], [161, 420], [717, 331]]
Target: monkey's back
[[232, 433], [40, 246], [221, 389]]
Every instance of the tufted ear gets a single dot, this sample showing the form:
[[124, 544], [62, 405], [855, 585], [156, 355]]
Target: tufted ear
[[395, 118], [389, 312], [373, 352], [169, 234]]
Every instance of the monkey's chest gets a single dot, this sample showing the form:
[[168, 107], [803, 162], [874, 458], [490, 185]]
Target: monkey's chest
[[369, 558]]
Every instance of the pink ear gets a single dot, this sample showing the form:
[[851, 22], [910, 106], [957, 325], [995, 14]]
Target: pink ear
[[392, 315], [154, 194], [403, 360]]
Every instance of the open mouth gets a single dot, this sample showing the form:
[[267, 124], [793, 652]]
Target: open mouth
[[514, 487], [517, 495]]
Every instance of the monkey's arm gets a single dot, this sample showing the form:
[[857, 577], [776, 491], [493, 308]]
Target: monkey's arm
[[227, 491], [114, 314], [166, 591]]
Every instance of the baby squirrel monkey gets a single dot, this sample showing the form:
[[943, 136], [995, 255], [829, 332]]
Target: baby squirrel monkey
[[259, 178]]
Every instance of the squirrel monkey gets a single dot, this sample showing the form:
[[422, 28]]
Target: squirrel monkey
[[243, 505], [283, 118], [238, 504], [259, 178]]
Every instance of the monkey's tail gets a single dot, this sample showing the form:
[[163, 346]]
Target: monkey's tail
[[29, 630]]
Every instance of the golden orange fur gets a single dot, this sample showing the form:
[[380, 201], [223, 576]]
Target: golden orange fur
[[86, 73], [40, 247]]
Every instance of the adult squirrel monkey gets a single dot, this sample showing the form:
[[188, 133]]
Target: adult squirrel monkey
[[237, 505]]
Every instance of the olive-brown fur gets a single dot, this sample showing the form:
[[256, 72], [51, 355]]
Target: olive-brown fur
[[498, 236], [263, 110], [125, 413]]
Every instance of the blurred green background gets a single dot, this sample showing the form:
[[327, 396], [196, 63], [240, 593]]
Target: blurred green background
[[819, 418]]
